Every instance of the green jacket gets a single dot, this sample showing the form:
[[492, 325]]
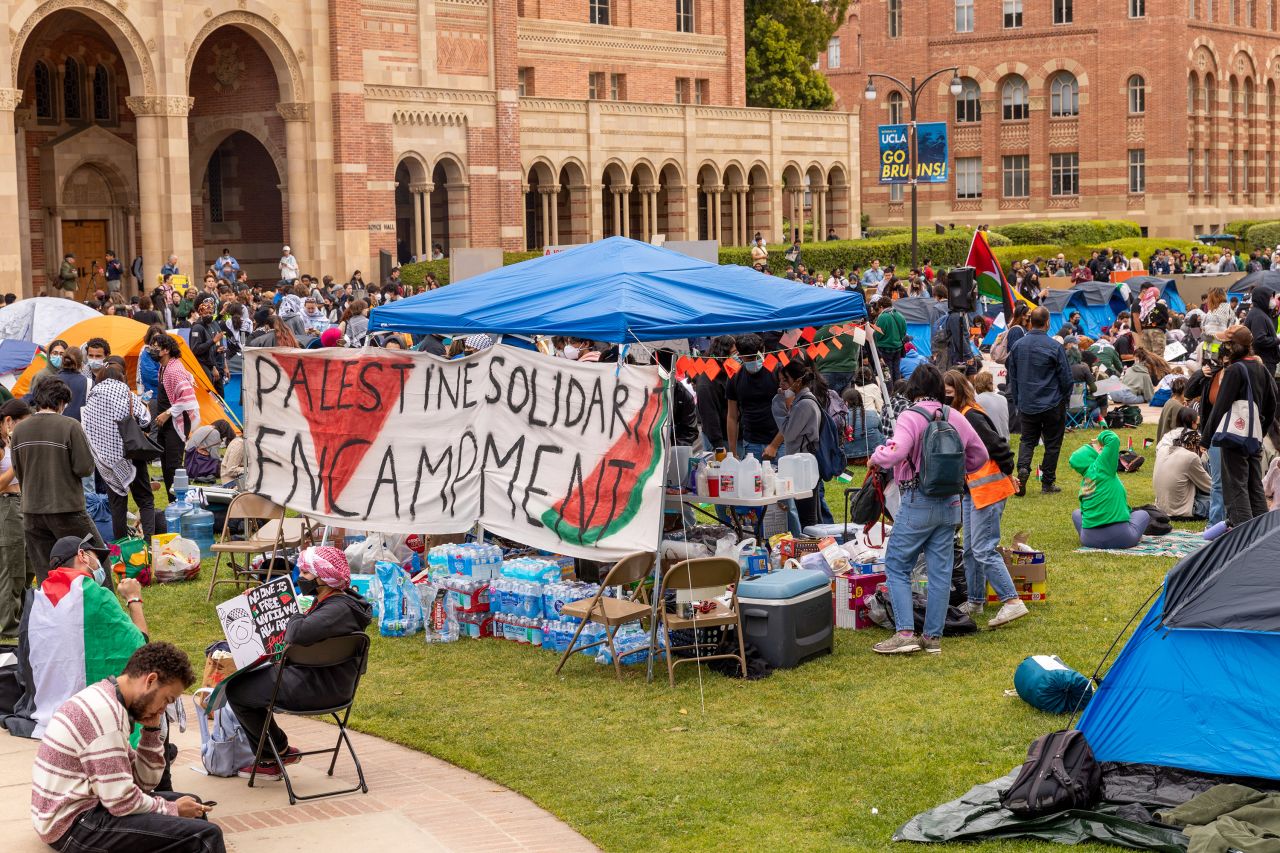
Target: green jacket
[[1109, 358], [1102, 496], [68, 278], [841, 359], [893, 330]]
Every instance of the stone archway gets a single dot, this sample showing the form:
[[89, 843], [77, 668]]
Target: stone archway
[[574, 225], [641, 202], [541, 207], [93, 203], [241, 205], [412, 188], [709, 191], [671, 203], [839, 202], [448, 223], [733, 205], [615, 188], [759, 203]]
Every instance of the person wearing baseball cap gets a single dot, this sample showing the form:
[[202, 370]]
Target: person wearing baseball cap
[[73, 557], [1243, 378], [336, 610]]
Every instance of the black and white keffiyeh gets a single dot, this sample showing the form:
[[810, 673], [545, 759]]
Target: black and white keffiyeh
[[109, 402]]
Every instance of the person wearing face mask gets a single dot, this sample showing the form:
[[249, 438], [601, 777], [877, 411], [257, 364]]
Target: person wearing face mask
[[178, 410], [578, 349], [91, 790], [110, 402], [53, 364], [749, 395], [337, 610], [206, 342], [16, 572], [96, 351]]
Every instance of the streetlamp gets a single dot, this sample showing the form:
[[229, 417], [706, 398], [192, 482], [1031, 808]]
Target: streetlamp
[[913, 94]]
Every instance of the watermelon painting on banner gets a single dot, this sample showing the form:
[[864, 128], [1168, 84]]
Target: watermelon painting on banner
[[558, 455]]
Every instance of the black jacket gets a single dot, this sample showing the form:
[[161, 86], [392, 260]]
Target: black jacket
[[1232, 388], [1263, 326], [684, 415], [713, 408], [312, 687], [997, 447], [202, 344]]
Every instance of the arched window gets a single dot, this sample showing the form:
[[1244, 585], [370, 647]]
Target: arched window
[[1138, 95], [895, 108], [1013, 99], [1208, 95], [1233, 91], [103, 95], [72, 88], [44, 91], [969, 103], [1246, 98], [1064, 95], [1192, 87]]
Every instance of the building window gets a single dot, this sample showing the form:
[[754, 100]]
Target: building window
[[969, 104], [72, 82], [964, 16], [1208, 10], [1017, 175], [617, 87], [599, 11], [1064, 95], [833, 52], [1271, 14], [1244, 171], [1013, 99], [702, 91], [1248, 13], [1247, 102], [1138, 95], [1191, 8], [684, 16], [1231, 171], [524, 79], [215, 187], [595, 85], [1191, 170], [1231, 18], [103, 99], [1012, 14], [1137, 170], [895, 193], [1062, 11], [1138, 8], [968, 177], [1208, 95], [895, 18], [1233, 90], [44, 91], [682, 90], [895, 107], [1207, 169], [1064, 174]]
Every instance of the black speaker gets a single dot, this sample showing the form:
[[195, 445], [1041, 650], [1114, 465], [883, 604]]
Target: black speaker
[[961, 289]]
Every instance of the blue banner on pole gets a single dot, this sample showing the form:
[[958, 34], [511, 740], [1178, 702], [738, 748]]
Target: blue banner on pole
[[895, 157]]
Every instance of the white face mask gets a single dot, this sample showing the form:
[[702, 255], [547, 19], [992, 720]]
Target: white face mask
[[571, 353], [95, 363]]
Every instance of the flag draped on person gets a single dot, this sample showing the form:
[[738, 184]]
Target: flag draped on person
[[991, 281]]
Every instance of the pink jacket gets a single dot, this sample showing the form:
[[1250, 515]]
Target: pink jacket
[[902, 452]]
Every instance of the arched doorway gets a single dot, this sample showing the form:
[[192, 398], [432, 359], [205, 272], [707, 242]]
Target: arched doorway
[[642, 198], [709, 190], [792, 204], [613, 201], [77, 164], [574, 218], [411, 200], [733, 206], [242, 208], [448, 217], [759, 204], [815, 201], [839, 203], [541, 208], [671, 202]]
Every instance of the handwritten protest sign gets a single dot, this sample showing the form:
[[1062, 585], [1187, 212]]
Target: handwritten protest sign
[[254, 621], [560, 455]]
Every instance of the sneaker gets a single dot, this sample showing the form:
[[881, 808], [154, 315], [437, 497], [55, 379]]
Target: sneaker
[[932, 645], [1050, 489], [1022, 485], [1013, 609], [266, 770], [898, 644], [292, 755], [971, 608]]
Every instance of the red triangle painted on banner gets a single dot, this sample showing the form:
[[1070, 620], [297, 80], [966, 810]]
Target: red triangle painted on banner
[[331, 427]]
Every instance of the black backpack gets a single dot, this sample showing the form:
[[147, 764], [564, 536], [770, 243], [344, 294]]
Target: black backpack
[[941, 471], [1060, 773]]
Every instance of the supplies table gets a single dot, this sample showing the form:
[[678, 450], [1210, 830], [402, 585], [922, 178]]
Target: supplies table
[[677, 501]]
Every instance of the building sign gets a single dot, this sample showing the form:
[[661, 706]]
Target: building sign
[[895, 155]]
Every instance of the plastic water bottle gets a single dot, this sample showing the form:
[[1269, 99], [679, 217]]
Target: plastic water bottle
[[174, 512]]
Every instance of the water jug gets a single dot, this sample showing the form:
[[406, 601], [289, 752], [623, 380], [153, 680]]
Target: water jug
[[197, 525], [750, 478], [729, 477]]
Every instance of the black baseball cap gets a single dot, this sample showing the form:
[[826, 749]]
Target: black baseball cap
[[65, 549]]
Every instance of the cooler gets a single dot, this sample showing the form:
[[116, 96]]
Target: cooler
[[787, 615]]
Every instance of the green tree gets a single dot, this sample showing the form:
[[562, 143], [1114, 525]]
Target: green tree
[[784, 38]]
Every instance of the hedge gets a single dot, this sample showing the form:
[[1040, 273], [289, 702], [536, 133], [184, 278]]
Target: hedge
[[416, 274], [1264, 234], [1147, 246], [1241, 227], [1007, 255], [945, 250], [887, 231], [1069, 232]]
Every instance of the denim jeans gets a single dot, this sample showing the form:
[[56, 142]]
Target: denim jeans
[[982, 562], [1217, 506], [99, 830], [923, 525], [837, 380]]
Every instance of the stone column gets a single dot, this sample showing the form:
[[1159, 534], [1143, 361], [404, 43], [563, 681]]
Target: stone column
[[553, 192], [415, 218], [625, 195], [820, 213], [713, 210], [425, 218], [164, 180], [130, 248], [296, 119], [733, 217], [12, 279], [617, 212]]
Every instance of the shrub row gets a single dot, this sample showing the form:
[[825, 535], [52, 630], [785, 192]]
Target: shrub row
[[1082, 232], [415, 274], [945, 250], [1262, 234]]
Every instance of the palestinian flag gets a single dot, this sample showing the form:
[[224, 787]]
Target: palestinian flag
[[991, 280], [72, 635]]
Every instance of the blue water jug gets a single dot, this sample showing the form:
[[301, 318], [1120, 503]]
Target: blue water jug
[[174, 512], [197, 525]]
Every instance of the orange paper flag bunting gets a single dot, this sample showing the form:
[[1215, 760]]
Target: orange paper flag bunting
[[812, 349], [836, 343], [684, 365], [808, 333], [823, 350], [770, 362], [784, 359], [837, 330], [731, 367]]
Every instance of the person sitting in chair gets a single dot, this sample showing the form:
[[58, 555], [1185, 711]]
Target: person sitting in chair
[[1104, 520], [336, 611]]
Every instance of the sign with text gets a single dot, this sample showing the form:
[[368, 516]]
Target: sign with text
[[931, 151], [560, 455], [254, 621]]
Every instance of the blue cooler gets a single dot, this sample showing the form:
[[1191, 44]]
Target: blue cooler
[[788, 615]]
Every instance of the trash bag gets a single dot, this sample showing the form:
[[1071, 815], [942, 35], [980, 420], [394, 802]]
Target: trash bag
[[957, 622], [176, 560]]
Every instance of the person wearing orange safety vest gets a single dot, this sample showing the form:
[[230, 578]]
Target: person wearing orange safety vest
[[982, 507]]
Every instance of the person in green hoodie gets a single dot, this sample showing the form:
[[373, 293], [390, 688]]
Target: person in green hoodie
[[891, 335], [1104, 519]]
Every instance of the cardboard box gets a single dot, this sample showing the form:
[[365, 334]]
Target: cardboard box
[[1029, 570], [851, 593]]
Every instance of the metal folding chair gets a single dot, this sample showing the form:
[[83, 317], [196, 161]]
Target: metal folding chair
[[334, 651], [610, 612]]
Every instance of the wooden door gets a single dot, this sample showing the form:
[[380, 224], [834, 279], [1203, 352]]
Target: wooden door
[[87, 240]]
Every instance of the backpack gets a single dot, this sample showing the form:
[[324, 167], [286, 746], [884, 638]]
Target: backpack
[[830, 449], [1159, 523], [1000, 348], [1060, 773], [224, 746], [941, 472]]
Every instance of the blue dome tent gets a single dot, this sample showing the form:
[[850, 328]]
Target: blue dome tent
[[1060, 304], [1168, 290], [921, 314], [1102, 304]]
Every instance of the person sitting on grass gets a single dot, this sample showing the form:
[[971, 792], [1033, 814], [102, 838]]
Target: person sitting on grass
[[1104, 520], [1180, 479], [337, 610]]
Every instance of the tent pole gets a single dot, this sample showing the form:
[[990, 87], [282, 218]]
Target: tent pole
[[668, 434], [875, 362]]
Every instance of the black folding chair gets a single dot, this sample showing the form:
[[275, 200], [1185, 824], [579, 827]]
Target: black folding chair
[[334, 651]]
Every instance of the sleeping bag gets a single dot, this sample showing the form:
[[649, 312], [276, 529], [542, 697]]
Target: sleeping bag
[[1046, 683]]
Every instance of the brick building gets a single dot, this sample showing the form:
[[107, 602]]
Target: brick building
[[348, 127], [1161, 111]]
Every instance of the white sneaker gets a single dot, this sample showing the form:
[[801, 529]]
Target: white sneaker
[[1011, 610], [971, 608]]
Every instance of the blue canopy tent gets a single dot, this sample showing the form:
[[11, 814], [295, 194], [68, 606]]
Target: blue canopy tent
[[1168, 290], [1102, 304], [619, 290], [15, 356], [921, 314], [1204, 664]]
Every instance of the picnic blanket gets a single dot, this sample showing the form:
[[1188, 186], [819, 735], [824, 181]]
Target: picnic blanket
[[1178, 543]]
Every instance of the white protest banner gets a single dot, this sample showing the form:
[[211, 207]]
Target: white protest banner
[[559, 455]]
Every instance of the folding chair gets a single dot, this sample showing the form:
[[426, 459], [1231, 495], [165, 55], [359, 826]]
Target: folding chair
[[260, 516], [612, 613], [1078, 407], [702, 579], [335, 651]]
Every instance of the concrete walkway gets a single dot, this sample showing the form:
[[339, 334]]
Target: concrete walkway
[[415, 802]]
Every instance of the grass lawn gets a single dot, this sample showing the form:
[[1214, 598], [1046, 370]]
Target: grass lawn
[[794, 762]]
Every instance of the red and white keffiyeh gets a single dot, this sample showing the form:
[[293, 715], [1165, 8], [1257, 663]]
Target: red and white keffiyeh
[[328, 564], [181, 391]]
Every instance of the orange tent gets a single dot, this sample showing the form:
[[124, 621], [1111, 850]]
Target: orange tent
[[126, 338]]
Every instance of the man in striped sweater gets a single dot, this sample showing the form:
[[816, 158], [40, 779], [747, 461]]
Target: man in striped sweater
[[92, 791]]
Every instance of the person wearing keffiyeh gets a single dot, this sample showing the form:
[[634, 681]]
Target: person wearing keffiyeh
[[109, 402], [179, 411]]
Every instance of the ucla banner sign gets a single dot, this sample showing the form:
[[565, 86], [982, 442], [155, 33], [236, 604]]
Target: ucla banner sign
[[895, 156]]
